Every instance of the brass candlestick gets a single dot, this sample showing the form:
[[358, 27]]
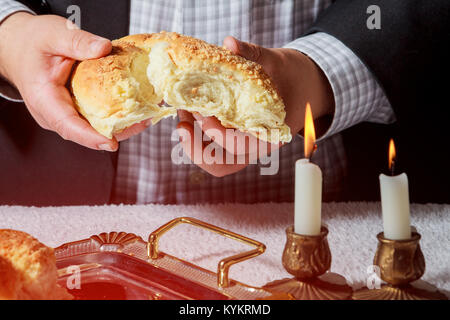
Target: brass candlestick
[[307, 258], [401, 262]]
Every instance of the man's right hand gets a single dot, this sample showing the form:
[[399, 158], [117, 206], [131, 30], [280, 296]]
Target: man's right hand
[[36, 55]]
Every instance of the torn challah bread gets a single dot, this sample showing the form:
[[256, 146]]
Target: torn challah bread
[[27, 269], [145, 70]]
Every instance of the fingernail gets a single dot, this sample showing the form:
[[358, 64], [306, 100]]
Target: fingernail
[[98, 45], [106, 147]]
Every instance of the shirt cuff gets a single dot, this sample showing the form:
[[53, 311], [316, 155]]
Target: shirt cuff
[[7, 8], [357, 95], [8, 92]]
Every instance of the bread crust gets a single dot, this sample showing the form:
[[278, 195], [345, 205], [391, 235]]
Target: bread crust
[[29, 267], [91, 77], [112, 93], [9, 281]]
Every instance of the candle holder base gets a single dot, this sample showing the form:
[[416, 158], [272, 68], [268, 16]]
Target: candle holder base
[[389, 292], [401, 262], [311, 289], [308, 259]]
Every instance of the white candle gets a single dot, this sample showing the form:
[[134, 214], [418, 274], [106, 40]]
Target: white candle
[[308, 198], [308, 185], [395, 207]]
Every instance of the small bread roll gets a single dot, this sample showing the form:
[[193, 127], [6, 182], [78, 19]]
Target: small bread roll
[[27, 268], [142, 71], [9, 280]]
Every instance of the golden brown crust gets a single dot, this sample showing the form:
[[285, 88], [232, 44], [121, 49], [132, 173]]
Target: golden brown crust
[[14, 243], [33, 263], [92, 76], [9, 281]]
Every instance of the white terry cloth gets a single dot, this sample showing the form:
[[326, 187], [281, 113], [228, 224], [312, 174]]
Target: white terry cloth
[[352, 234]]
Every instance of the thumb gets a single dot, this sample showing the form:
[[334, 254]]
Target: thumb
[[77, 44], [247, 50]]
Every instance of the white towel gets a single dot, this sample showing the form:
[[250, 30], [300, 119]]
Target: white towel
[[352, 234]]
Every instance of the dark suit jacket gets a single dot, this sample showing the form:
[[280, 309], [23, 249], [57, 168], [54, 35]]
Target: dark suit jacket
[[37, 167], [407, 56]]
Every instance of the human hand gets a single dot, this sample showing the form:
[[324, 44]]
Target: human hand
[[36, 55], [298, 80]]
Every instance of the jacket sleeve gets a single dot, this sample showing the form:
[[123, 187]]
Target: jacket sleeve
[[7, 8], [406, 51], [357, 95]]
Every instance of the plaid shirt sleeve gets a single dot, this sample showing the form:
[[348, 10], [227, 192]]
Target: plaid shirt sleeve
[[358, 96], [8, 7]]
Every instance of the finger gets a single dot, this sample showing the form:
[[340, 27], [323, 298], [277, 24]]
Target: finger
[[186, 132], [60, 71], [77, 44], [232, 140], [247, 50], [61, 117], [185, 116], [212, 124], [133, 130]]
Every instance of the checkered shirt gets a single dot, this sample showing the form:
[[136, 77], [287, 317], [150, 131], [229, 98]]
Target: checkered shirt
[[145, 171]]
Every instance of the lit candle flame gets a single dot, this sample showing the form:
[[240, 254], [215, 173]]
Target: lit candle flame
[[392, 156], [310, 134]]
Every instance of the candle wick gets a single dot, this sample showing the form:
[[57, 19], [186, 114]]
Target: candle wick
[[392, 167], [312, 152]]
